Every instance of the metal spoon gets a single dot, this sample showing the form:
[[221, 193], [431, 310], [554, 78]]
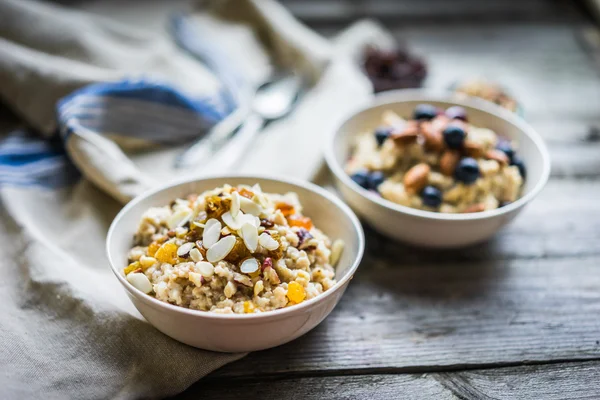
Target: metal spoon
[[273, 100]]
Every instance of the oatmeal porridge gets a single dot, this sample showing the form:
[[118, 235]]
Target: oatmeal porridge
[[437, 161], [233, 249]]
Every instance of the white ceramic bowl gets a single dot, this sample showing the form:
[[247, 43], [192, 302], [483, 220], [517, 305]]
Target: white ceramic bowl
[[247, 332], [425, 228]]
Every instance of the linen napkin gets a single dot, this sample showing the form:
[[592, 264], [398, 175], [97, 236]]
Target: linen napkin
[[101, 110]]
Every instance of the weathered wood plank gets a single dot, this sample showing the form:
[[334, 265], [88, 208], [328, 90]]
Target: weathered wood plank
[[414, 316], [564, 221], [548, 382]]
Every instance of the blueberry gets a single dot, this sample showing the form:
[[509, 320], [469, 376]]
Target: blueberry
[[456, 112], [382, 133], [361, 177], [467, 170], [431, 196], [454, 136], [375, 179], [505, 147], [425, 111], [519, 163], [503, 204]]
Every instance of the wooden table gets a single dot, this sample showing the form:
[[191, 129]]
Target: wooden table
[[517, 317]]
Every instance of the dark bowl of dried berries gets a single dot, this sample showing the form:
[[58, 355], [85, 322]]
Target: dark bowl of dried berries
[[435, 170], [393, 69]]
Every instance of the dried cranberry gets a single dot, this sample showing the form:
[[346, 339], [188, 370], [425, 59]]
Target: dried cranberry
[[303, 235], [268, 262]]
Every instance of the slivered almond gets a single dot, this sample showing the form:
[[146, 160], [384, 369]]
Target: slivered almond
[[416, 178], [473, 149], [479, 207], [449, 161], [434, 140], [408, 133], [497, 155]]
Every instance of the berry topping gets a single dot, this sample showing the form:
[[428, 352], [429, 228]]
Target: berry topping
[[454, 136], [382, 133], [375, 179], [431, 196], [361, 178], [505, 147], [519, 163], [456, 112], [425, 112], [467, 170]]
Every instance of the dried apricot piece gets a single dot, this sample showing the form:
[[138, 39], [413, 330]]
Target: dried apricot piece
[[152, 248], [246, 193], [131, 267], [285, 208], [300, 221], [167, 253], [296, 292], [248, 307]]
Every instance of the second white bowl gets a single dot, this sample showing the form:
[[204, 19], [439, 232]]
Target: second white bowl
[[425, 228]]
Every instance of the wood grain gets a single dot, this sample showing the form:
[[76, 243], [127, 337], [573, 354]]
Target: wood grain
[[549, 382], [424, 317]]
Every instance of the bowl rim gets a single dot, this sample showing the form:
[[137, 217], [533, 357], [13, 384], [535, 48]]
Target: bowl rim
[[424, 95], [277, 314]]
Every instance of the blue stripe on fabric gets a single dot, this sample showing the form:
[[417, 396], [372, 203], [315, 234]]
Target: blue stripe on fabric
[[143, 109], [28, 160]]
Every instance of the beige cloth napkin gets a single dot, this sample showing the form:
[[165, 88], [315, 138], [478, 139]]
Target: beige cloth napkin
[[66, 326]]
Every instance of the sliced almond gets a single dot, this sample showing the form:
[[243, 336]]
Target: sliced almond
[[497, 155], [235, 204], [250, 207], [205, 268], [434, 140], [243, 279], [179, 218], [336, 252], [221, 249], [472, 149], [449, 162], [249, 234], [195, 255], [268, 242], [140, 282], [406, 134], [249, 265], [416, 178], [232, 222], [184, 249], [212, 232]]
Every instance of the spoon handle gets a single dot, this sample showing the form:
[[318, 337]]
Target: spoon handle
[[214, 140], [231, 154]]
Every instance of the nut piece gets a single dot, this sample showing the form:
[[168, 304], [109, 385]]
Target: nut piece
[[406, 134], [497, 155], [416, 178], [473, 149], [434, 140], [479, 207], [449, 161]]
